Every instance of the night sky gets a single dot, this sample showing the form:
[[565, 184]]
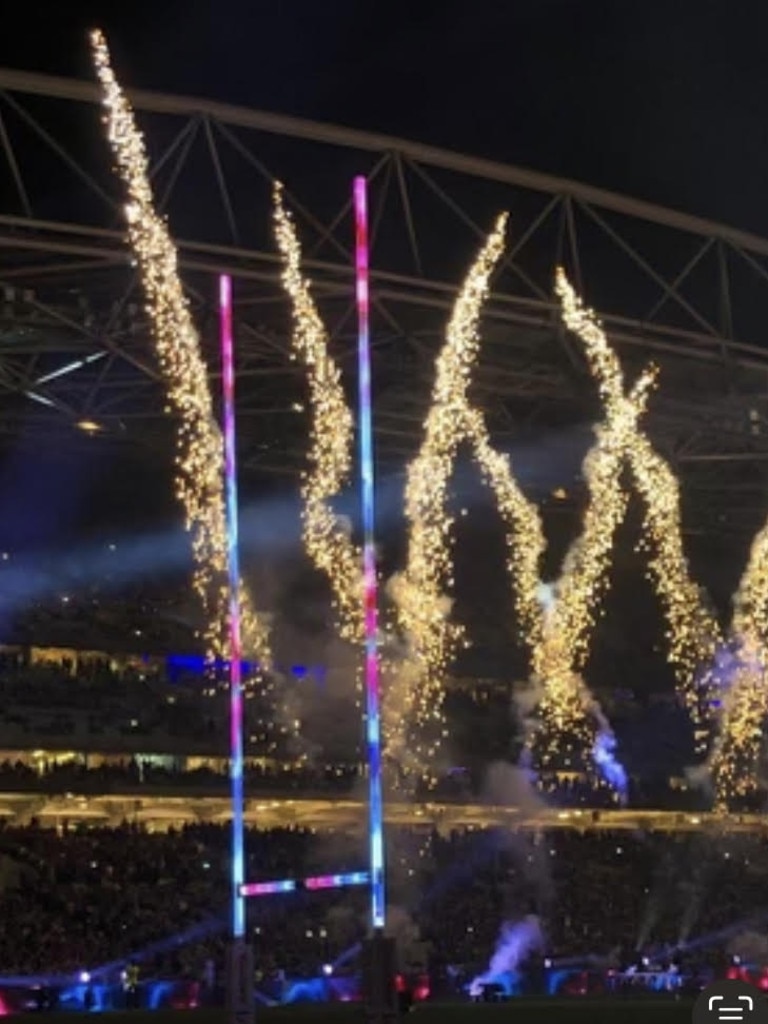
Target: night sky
[[662, 100]]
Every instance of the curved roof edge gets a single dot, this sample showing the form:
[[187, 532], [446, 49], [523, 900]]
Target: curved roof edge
[[78, 90]]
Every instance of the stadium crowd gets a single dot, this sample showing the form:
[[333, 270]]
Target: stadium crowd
[[40, 702], [95, 899]]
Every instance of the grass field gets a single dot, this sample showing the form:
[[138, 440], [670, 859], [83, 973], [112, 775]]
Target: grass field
[[542, 1011]]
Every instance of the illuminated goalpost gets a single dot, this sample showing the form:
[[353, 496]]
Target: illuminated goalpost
[[372, 696], [378, 951]]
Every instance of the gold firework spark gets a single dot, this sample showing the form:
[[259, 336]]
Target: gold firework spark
[[326, 538], [567, 711], [736, 756], [568, 717], [423, 592], [523, 527], [693, 633], [199, 464]]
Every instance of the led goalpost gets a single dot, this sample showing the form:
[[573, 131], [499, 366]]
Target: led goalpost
[[372, 695], [235, 647]]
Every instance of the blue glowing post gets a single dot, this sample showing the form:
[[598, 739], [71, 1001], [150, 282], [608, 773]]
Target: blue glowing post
[[240, 996], [235, 650], [373, 718]]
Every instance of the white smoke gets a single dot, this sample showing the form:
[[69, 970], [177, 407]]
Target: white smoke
[[344, 523], [508, 785], [546, 595], [325, 699], [402, 928], [517, 940], [404, 672]]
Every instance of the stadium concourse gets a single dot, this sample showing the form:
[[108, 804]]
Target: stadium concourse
[[168, 811]]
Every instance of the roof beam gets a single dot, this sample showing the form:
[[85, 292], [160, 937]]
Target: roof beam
[[31, 83], [248, 264]]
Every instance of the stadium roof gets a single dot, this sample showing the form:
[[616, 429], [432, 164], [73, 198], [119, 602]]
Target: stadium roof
[[75, 347]]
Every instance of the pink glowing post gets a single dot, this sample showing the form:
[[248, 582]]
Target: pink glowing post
[[336, 881], [268, 888], [372, 702], [235, 647], [240, 959]]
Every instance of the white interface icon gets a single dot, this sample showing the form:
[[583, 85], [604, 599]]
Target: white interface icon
[[735, 1014]]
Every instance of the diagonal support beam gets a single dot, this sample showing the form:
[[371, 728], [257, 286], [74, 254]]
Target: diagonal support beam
[[463, 216], [409, 223], [668, 289], [57, 147], [13, 164]]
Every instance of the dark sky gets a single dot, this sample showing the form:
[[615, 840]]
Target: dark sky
[[662, 99]]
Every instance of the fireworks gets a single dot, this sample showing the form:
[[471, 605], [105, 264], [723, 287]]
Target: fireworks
[[735, 758], [558, 636], [415, 683], [524, 534], [327, 540], [570, 728], [695, 639], [693, 633], [570, 724], [568, 716], [199, 464], [422, 593], [750, 613]]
